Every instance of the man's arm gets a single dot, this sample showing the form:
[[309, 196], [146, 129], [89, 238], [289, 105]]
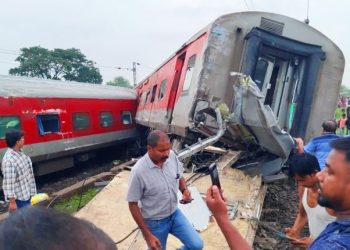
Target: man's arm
[[152, 241], [299, 223], [8, 184], [186, 194], [299, 144], [32, 180], [218, 207]]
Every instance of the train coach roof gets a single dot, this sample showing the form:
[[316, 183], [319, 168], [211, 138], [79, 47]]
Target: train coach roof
[[36, 87]]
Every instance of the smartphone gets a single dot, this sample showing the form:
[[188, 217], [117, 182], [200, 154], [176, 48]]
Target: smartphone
[[214, 175]]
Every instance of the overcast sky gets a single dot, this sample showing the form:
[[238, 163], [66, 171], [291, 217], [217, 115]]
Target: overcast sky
[[116, 33]]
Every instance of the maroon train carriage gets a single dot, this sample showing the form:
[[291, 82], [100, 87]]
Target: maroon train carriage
[[295, 75], [64, 121]]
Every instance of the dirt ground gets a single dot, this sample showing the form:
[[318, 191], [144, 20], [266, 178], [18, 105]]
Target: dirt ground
[[280, 209], [280, 206]]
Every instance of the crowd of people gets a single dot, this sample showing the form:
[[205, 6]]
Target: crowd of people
[[321, 168]]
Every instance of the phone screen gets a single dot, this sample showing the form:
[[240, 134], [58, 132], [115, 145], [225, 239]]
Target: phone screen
[[214, 175]]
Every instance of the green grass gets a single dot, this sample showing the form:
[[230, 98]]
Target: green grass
[[71, 204]]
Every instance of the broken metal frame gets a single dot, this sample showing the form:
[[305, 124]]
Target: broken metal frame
[[202, 144]]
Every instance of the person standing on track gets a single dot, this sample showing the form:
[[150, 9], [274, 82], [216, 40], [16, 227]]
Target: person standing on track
[[304, 168]]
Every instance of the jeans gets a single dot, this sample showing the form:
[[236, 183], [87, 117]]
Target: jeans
[[177, 225], [22, 204]]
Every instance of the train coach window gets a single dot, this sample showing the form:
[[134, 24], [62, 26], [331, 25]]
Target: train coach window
[[126, 118], [81, 121], [48, 123], [162, 89], [189, 73], [7, 122], [147, 95], [154, 90], [106, 119], [260, 72]]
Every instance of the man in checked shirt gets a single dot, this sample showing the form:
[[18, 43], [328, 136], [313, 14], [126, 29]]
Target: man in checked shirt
[[18, 183]]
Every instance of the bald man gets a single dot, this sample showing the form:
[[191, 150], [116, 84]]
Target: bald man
[[152, 196], [319, 146]]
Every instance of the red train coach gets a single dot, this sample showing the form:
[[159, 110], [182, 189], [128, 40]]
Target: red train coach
[[65, 119], [295, 72]]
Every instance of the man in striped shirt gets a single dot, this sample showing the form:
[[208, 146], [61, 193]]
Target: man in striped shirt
[[18, 183]]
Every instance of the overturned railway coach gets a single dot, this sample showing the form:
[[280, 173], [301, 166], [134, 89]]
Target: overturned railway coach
[[294, 71], [65, 121]]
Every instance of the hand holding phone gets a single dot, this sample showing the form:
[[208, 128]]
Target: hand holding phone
[[214, 175], [182, 201]]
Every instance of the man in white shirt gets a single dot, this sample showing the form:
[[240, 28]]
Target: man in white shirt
[[303, 168]]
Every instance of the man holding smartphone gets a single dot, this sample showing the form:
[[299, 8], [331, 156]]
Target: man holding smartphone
[[333, 192], [152, 196]]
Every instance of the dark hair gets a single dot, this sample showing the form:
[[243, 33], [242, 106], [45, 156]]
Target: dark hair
[[154, 136], [342, 144], [40, 228], [12, 136], [303, 164], [329, 126]]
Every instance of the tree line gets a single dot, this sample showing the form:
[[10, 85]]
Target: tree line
[[61, 64]]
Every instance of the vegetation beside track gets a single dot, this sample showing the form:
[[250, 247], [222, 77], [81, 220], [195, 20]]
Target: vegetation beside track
[[77, 201]]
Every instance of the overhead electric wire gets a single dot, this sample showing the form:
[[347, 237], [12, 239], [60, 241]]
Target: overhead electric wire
[[245, 2], [9, 62], [9, 52]]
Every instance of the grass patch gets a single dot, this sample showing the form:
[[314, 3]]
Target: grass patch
[[72, 205]]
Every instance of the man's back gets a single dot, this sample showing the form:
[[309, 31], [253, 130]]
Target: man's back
[[320, 147]]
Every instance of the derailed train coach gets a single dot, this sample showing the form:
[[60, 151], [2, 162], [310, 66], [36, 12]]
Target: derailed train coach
[[270, 76], [65, 122]]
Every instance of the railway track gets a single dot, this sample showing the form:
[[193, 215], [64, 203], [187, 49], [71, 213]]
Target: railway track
[[275, 209], [58, 181]]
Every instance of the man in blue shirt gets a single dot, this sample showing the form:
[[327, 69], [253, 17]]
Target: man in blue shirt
[[334, 190], [319, 146]]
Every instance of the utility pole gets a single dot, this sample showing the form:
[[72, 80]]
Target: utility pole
[[133, 69]]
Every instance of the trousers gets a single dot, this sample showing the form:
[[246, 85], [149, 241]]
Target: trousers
[[22, 204], [177, 225]]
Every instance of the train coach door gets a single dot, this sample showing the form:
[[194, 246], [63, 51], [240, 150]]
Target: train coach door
[[175, 86], [286, 72], [274, 76]]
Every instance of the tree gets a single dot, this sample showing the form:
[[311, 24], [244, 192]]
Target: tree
[[344, 90], [121, 82], [57, 64]]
